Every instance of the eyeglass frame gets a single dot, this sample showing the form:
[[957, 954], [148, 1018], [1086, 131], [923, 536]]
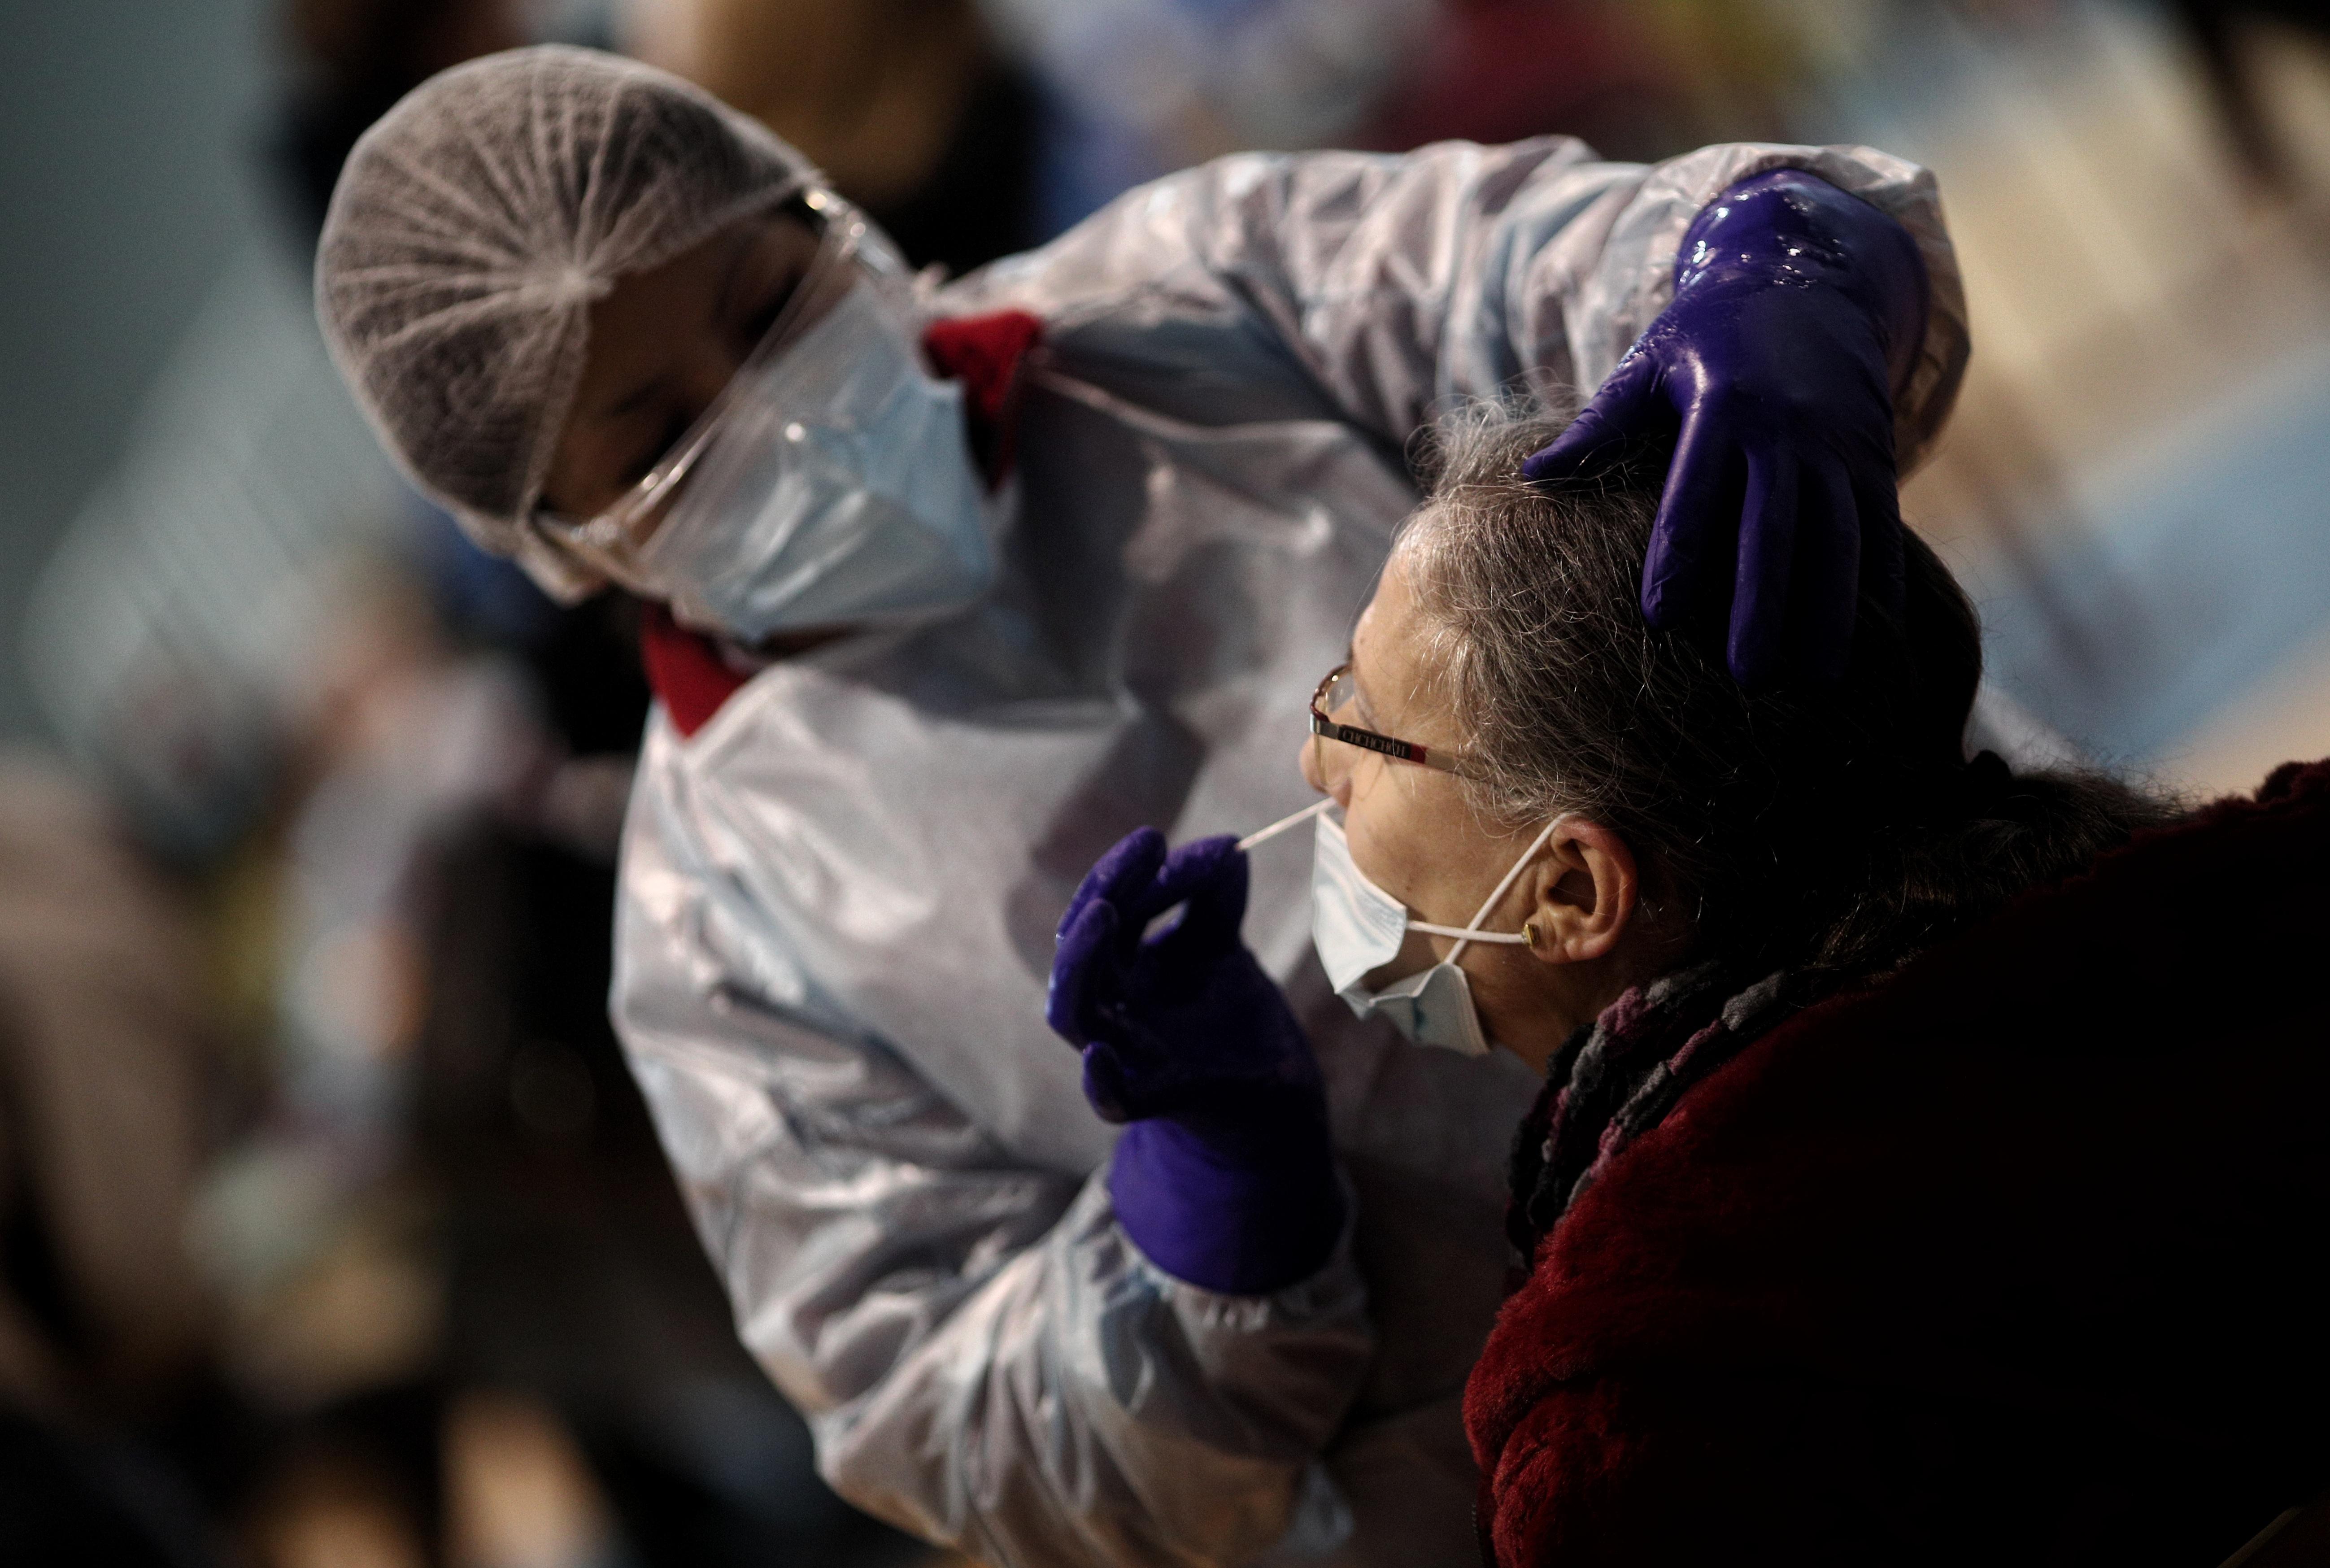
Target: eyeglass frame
[[846, 238], [1322, 726]]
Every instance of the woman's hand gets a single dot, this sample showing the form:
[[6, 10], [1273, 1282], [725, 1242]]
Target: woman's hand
[[1225, 1175], [1797, 310]]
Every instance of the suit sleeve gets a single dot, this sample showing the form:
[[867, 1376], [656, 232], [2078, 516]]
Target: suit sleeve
[[983, 1357], [1379, 288]]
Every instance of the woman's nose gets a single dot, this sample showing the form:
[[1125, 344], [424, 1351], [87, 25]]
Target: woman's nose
[[1328, 780]]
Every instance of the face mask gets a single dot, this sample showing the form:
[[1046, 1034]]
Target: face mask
[[842, 492], [1358, 928]]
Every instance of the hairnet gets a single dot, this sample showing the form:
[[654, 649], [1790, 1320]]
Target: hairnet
[[469, 234]]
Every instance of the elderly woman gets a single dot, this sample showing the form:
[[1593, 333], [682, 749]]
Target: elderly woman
[[1927, 1152]]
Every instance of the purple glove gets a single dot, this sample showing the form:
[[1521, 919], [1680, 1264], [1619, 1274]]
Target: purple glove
[[1797, 310], [1225, 1175]]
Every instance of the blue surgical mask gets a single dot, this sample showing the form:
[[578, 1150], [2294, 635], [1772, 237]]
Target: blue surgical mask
[[1358, 928], [842, 492]]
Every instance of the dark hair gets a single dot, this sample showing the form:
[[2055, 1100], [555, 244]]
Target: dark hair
[[1839, 829]]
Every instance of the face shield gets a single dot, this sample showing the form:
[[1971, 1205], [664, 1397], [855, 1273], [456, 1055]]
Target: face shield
[[828, 484]]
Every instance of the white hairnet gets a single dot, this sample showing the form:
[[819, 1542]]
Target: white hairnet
[[469, 234]]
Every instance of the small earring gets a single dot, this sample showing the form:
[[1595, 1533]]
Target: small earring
[[1528, 932]]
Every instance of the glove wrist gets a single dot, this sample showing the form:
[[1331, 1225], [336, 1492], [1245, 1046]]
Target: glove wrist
[[1240, 1211]]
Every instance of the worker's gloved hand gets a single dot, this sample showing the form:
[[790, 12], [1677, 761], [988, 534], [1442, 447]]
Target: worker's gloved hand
[[1797, 311], [1225, 1175]]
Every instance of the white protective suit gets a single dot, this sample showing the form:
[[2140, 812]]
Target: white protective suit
[[838, 895]]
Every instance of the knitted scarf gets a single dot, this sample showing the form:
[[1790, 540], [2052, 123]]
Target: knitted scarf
[[1615, 1079]]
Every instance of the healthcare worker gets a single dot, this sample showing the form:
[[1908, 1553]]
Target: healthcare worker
[[967, 582]]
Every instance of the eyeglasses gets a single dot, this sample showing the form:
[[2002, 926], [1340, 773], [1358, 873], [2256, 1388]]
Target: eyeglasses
[[848, 248], [1340, 690]]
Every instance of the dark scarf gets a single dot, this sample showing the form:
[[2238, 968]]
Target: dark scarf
[[1616, 1078]]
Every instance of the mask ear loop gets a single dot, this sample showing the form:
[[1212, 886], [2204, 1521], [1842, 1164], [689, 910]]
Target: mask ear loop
[[1469, 932]]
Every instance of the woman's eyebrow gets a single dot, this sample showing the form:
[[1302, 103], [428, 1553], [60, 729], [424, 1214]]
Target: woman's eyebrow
[[631, 402], [635, 399]]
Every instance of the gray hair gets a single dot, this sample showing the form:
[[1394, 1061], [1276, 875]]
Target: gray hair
[[1835, 830]]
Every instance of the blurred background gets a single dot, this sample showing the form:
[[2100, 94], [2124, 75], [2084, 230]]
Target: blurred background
[[332, 1230]]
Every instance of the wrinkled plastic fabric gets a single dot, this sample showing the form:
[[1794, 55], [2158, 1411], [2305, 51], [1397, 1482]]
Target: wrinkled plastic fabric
[[469, 234], [838, 895]]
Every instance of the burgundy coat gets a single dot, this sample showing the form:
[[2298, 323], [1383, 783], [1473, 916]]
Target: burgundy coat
[[2018, 1258]]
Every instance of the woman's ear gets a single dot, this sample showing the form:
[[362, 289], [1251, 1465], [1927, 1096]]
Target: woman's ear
[[1585, 892]]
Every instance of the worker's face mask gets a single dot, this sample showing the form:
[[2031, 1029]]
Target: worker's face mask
[[840, 489], [1358, 928], [830, 484]]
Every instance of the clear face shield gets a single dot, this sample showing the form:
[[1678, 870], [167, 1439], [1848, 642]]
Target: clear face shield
[[828, 483], [610, 541]]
